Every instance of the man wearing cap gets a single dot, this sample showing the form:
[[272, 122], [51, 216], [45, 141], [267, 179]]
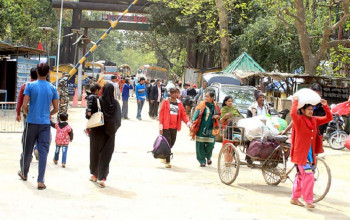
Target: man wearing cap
[[114, 80], [259, 107], [63, 95]]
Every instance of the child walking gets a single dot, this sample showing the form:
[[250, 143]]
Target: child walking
[[64, 135], [171, 114], [304, 149]]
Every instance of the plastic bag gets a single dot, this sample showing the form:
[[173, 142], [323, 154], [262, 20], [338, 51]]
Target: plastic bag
[[271, 128], [253, 127], [307, 96], [342, 109], [279, 123]]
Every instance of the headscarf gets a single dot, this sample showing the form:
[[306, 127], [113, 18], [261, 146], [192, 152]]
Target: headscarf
[[111, 110]]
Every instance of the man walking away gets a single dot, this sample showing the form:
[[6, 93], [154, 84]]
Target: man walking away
[[125, 96], [155, 98], [40, 95], [141, 96], [114, 80]]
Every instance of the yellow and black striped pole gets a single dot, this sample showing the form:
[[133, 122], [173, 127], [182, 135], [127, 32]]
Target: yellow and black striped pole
[[93, 48]]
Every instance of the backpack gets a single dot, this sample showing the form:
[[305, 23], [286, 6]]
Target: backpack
[[161, 148]]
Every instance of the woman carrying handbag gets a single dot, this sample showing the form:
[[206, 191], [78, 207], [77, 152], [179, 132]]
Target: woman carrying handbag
[[102, 137]]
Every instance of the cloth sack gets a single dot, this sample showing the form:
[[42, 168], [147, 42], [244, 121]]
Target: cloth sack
[[307, 96], [341, 109], [263, 149], [161, 148], [96, 119]]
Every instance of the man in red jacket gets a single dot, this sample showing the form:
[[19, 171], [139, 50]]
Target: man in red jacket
[[33, 77], [170, 116]]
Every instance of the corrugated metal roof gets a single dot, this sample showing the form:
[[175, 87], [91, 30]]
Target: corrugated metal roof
[[243, 63], [8, 49]]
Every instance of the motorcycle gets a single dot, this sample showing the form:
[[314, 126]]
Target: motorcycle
[[335, 134]]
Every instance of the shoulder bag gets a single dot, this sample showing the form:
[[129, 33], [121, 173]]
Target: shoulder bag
[[96, 119]]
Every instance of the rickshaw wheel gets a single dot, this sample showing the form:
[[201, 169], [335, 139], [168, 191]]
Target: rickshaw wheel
[[271, 175], [228, 164]]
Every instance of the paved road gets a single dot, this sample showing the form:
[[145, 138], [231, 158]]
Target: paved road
[[139, 187]]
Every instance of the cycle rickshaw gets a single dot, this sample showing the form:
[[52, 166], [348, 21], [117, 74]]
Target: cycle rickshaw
[[275, 168]]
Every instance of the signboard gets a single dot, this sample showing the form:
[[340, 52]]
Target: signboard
[[335, 93], [130, 19], [23, 71]]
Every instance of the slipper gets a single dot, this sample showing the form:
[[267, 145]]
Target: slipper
[[101, 184], [22, 177], [296, 202], [42, 187], [93, 178]]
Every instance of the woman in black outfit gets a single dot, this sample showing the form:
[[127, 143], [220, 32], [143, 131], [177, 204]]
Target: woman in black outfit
[[102, 139]]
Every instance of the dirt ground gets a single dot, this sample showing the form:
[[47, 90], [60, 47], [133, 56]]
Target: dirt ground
[[139, 187]]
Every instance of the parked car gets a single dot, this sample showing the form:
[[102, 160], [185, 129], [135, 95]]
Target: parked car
[[218, 77]]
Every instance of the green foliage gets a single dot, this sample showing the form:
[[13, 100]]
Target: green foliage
[[20, 20], [339, 63]]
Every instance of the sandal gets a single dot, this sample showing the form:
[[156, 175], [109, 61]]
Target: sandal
[[41, 187], [209, 162], [296, 202], [55, 161], [22, 177], [202, 164], [93, 178], [64, 165], [101, 183], [310, 205]]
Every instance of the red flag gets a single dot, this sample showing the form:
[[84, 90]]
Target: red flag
[[40, 46]]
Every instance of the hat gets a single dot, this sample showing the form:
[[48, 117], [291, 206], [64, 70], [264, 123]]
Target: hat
[[257, 94]]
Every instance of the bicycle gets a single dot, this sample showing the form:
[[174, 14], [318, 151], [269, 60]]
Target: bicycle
[[274, 168]]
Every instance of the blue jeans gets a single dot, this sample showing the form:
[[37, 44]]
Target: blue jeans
[[64, 153], [139, 107], [40, 134]]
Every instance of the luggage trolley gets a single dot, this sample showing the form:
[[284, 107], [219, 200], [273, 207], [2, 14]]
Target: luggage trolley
[[276, 168]]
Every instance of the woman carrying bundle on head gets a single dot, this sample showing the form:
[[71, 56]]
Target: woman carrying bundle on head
[[304, 149]]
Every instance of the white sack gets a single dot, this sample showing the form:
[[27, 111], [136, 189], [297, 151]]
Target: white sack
[[253, 127], [307, 96]]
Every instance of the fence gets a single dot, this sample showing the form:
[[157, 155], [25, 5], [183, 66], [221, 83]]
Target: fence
[[8, 123]]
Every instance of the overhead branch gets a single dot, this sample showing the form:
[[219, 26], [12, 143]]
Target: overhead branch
[[287, 12], [338, 42], [279, 16]]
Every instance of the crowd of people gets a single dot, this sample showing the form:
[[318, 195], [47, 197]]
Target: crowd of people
[[39, 100]]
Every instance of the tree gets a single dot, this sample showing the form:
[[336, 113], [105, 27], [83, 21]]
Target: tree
[[20, 20], [299, 16], [224, 37]]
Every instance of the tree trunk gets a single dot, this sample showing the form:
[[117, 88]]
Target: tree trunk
[[304, 40], [224, 37]]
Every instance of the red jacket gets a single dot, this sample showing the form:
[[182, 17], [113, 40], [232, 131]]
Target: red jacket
[[304, 133], [20, 98], [164, 115]]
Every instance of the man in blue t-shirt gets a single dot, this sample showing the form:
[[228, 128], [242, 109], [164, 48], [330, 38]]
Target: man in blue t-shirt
[[141, 96], [40, 95]]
